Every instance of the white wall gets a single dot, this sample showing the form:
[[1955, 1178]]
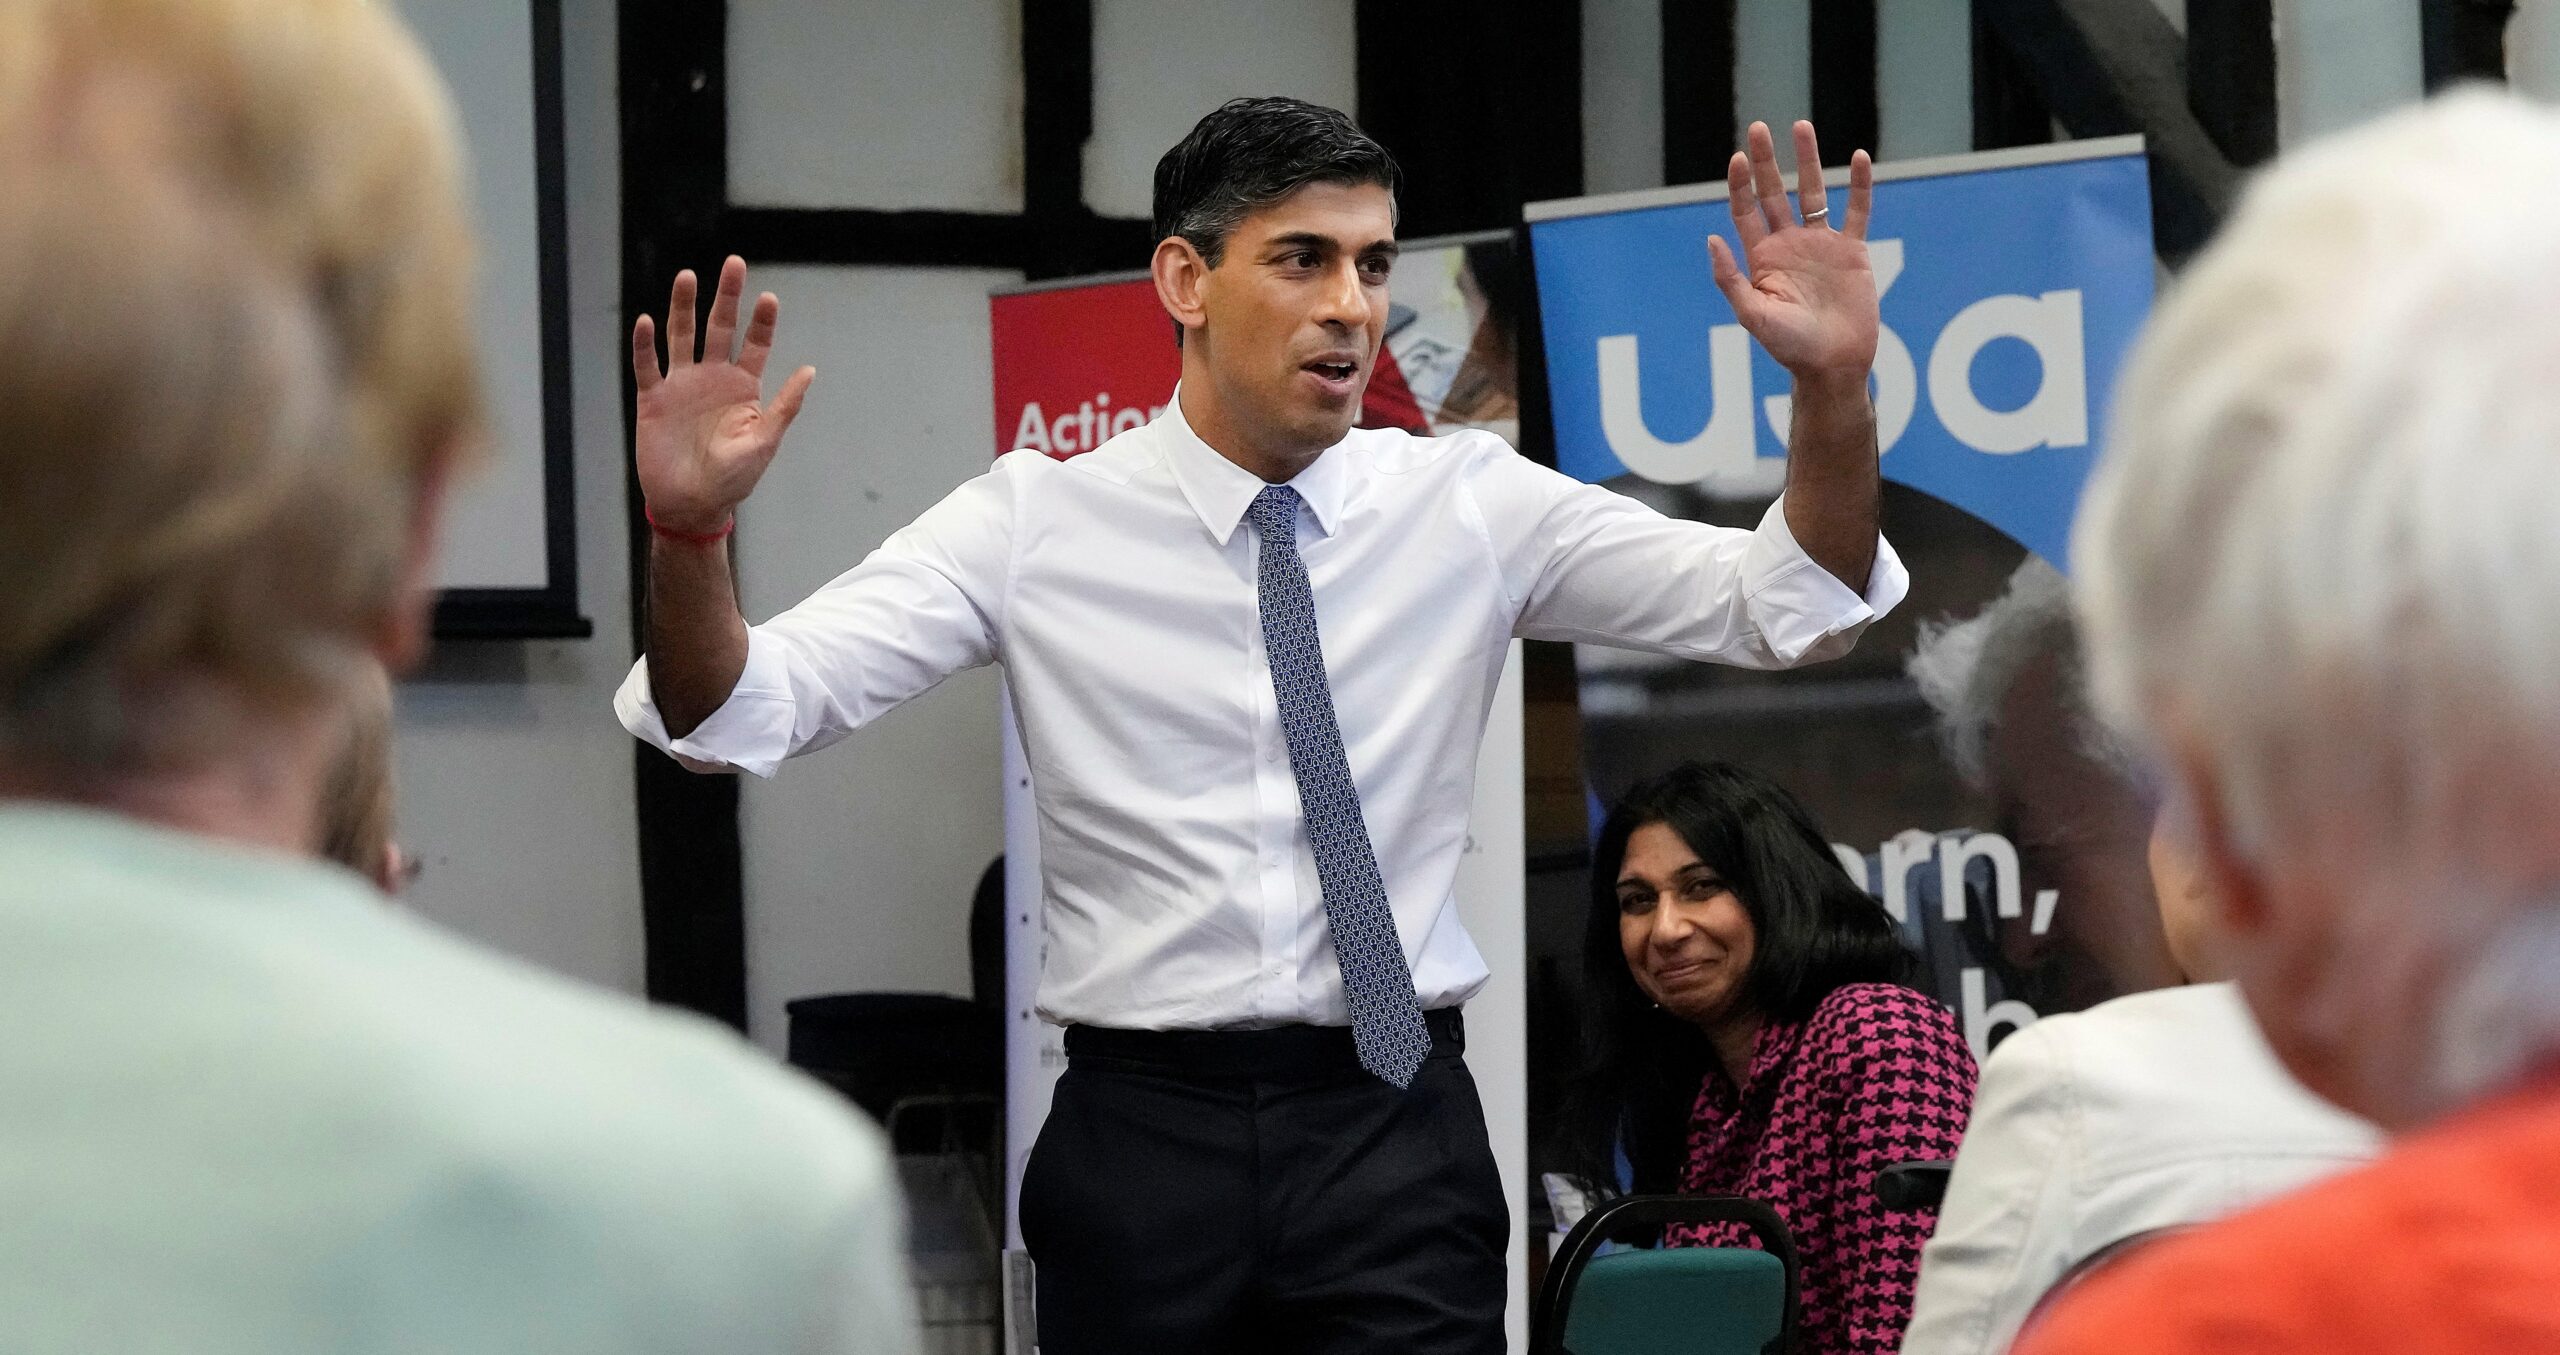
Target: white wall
[[874, 104], [860, 859], [1773, 66], [514, 780], [2339, 62], [1924, 78], [1621, 95], [1158, 65]]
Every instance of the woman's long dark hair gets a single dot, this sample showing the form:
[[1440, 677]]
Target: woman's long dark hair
[[1814, 930]]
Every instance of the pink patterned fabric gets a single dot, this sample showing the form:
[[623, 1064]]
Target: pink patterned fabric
[[1878, 1074]]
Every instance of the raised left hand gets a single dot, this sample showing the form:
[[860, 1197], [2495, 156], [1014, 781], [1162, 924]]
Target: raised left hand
[[1810, 297]]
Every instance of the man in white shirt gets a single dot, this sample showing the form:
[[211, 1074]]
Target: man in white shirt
[[1251, 652], [246, 1106]]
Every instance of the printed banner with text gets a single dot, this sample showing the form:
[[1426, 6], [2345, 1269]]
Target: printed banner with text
[[1948, 756]]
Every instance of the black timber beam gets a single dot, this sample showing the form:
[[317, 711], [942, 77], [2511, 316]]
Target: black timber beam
[[2105, 68]]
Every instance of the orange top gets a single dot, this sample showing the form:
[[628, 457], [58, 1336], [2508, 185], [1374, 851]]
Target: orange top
[[2451, 1243]]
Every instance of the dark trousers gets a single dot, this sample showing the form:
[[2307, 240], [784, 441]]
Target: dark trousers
[[1242, 1191]]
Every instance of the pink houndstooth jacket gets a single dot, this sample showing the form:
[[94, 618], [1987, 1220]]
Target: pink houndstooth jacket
[[1878, 1074]]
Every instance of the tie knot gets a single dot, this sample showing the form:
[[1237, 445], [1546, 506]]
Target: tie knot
[[1275, 512]]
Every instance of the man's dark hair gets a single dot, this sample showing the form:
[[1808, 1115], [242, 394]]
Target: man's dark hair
[[1251, 153], [1814, 930]]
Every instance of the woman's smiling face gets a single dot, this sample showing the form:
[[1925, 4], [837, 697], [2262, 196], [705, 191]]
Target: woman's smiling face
[[1687, 939]]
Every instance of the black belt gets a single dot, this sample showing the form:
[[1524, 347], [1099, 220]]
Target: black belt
[[1280, 1052]]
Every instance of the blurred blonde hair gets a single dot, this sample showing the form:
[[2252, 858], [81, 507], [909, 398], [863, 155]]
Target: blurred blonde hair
[[235, 343], [356, 806]]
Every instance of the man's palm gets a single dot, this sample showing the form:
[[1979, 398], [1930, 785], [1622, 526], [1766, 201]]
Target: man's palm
[[1810, 296], [1813, 303], [703, 440]]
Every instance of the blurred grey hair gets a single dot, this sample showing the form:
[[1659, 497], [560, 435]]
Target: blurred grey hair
[[1965, 668]]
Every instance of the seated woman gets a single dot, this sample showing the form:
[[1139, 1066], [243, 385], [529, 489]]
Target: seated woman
[[2095, 1129], [1751, 1034]]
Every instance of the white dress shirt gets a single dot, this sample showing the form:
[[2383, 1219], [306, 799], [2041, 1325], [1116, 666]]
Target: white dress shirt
[[2153, 1110], [1118, 590]]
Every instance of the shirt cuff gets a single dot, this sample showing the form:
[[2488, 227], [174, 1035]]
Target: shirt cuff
[[1803, 610], [752, 730]]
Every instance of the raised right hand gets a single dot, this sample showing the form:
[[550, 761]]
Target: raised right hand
[[703, 440], [1810, 297]]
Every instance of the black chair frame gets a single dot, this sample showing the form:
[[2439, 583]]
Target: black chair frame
[[1914, 1185], [1651, 1214]]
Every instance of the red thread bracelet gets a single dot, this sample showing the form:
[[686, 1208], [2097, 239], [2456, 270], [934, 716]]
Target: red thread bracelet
[[692, 538]]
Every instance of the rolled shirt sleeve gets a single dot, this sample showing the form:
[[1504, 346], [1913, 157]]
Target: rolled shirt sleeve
[[928, 603], [753, 731], [1588, 564], [1804, 613]]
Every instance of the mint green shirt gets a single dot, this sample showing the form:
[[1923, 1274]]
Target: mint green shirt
[[248, 1106]]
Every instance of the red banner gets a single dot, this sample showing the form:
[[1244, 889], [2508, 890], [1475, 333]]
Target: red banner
[[1078, 364]]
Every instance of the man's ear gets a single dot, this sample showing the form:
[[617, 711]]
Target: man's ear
[[402, 639], [1181, 275]]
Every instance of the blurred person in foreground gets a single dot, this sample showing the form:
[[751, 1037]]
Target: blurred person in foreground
[[1753, 1033], [2317, 571], [249, 1107], [2101, 1131], [2011, 707]]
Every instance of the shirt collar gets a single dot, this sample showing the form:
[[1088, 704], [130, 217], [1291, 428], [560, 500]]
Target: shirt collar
[[1220, 491]]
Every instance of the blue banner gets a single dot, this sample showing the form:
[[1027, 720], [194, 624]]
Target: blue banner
[[2010, 296]]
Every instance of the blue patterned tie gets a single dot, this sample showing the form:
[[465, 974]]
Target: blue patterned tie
[[1386, 1017]]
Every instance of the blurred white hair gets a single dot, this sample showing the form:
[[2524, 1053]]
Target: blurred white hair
[[1964, 670], [2322, 552]]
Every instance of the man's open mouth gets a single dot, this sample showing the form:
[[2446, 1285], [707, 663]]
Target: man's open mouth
[[1337, 378]]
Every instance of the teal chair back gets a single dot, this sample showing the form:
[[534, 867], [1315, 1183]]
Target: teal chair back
[[1670, 1300], [1678, 1301]]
